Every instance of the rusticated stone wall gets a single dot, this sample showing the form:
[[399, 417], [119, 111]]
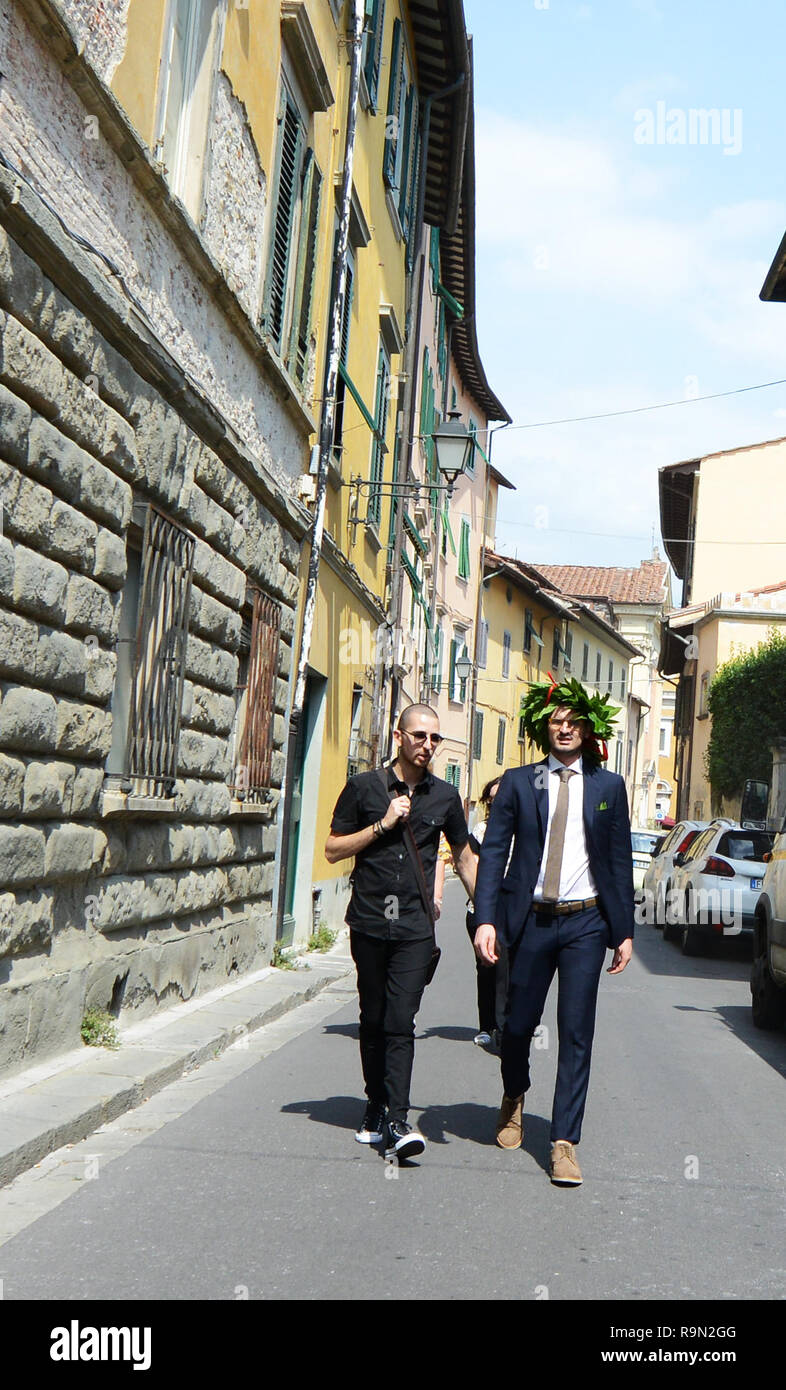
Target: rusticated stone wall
[[129, 910]]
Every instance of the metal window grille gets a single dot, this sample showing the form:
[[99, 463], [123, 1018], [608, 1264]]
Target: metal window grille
[[162, 631], [256, 743]]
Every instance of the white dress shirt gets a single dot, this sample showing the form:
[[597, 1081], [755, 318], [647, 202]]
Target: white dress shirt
[[575, 881]]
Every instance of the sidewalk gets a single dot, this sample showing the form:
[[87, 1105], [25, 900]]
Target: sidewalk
[[65, 1099]]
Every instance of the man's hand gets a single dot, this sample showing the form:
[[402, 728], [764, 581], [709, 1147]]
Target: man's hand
[[622, 955], [437, 909], [486, 944], [399, 809]]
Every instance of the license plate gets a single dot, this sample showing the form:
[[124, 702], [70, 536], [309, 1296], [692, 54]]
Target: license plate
[[757, 883]]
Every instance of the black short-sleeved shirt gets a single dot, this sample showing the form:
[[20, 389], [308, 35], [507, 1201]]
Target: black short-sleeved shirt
[[385, 899]]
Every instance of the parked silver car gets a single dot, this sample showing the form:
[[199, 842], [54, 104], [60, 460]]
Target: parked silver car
[[645, 844], [717, 883]]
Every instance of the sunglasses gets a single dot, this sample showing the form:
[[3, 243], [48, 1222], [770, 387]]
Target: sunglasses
[[420, 736]]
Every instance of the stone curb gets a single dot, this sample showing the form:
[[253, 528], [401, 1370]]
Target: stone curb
[[71, 1102]]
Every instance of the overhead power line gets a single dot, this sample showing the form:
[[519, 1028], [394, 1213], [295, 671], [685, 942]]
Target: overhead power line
[[640, 409]]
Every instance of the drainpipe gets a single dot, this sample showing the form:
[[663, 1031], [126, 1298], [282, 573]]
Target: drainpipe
[[326, 430], [405, 459]]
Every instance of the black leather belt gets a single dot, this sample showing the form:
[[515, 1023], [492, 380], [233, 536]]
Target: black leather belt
[[580, 905]]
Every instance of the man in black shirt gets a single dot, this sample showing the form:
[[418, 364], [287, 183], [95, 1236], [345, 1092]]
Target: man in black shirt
[[391, 936]]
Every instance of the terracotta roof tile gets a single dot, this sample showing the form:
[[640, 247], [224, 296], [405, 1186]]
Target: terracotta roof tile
[[646, 584]]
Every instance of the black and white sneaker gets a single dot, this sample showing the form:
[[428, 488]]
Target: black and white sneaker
[[372, 1129], [403, 1140]]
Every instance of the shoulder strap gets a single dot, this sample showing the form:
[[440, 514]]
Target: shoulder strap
[[414, 855]]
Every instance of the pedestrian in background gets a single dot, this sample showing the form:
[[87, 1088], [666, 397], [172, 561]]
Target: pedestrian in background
[[492, 980], [390, 821]]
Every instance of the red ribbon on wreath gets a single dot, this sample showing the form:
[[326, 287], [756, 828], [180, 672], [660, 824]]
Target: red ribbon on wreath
[[598, 749], [552, 687]]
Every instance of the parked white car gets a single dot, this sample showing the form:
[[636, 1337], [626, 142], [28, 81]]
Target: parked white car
[[717, 884], [657, 876], [645, 844], [768, 972]]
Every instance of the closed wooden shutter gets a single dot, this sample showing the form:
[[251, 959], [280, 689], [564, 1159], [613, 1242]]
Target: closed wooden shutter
[[290, 156], [306, 266]]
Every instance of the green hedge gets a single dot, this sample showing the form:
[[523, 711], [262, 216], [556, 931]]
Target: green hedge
[[747, 701]]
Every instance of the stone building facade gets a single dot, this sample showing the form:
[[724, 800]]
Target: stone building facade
[[149, 564]]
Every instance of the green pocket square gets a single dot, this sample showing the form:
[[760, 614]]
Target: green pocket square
[[603, 806]]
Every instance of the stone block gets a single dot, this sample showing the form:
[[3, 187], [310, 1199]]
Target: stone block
[[215, 621], [117, 382], [99, 672], [157, 845], [69, 851], [15, 417], [110, 560], [86, 797], [6, 568], [287, 624], [290, 552], [75, 475], [22, 851], [72, 536], [29, 369], [26, 922], [60, 661], [246, 881], [90, 608], [65, 330], [278, 764], [199, 890], [281, 697], [81, 730], [126, 901], [218, 576], [210, 711], [28, 720], [12, 780], [18, 641], [28, 516], [200, 755], [109, 850], [202, 800], [21, 281], [284, 660], [48, 788], [40, 585], [205, 665]]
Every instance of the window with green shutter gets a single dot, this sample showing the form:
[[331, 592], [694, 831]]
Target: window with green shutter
[[501, 731], [477, 736], [463, 558], [433, 258], [297, 357], [528, 624], [507, 642], [341, 386], [372, 47], [378, 446], [452, 678], [291, 143]]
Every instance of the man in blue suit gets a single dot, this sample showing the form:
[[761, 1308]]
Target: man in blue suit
[[566, 898]]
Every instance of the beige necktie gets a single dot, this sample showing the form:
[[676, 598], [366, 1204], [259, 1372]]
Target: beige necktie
[[551, 877]]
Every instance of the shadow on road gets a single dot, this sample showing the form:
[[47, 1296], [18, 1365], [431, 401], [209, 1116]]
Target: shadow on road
[[726, 959], [345, 1112], [770, 1046]]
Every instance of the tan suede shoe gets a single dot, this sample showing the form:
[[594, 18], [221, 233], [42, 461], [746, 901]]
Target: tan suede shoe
[[564, 1164], [509, 1123]]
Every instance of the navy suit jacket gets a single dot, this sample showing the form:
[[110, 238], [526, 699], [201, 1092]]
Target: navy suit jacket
[[519, 816]]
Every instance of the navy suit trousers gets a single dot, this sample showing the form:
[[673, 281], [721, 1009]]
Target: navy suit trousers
[[574, 945]]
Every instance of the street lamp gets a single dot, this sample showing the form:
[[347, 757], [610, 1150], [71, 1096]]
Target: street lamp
[[454, 444], [463, 667]]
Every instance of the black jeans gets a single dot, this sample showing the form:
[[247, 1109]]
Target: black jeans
[[492, 985], [391, 980]]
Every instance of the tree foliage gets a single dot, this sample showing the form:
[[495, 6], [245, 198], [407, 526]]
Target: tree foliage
[[747, 701]]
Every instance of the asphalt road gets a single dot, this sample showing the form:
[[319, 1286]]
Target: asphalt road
[[244, 1180]]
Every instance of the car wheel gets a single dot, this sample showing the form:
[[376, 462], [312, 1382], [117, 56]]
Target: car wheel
[[671, 929], [691, 940], [768, 1004]]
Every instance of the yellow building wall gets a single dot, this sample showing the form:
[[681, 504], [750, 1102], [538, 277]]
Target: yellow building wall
[[742, 501]]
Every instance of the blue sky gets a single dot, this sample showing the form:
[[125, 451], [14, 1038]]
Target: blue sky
[[614, 273]]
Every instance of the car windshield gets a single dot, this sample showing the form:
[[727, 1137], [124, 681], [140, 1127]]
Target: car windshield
[[643, 843], [745, 844]]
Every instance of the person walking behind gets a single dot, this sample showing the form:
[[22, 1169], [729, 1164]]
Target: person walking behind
[[390, 820], [492, 979], [566, 897]]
